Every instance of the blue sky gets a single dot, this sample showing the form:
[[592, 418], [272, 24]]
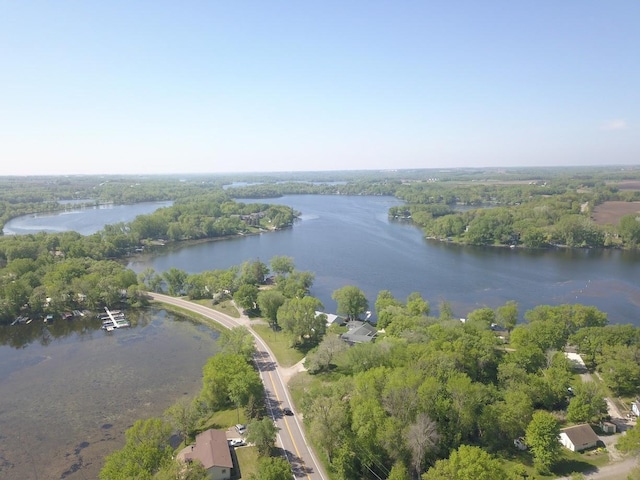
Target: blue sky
[[243, 86]]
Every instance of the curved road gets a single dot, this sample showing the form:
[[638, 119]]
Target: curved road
[[291, 437]]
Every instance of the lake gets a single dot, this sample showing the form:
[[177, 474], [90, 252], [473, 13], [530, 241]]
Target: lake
[[85, 221], [68, 391], [349, 240]]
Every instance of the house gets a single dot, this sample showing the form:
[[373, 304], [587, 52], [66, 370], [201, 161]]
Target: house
[[359, 332], [332, 319], [578, 437], [212, 450]]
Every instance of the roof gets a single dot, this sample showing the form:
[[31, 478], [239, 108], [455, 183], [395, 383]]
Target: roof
[[359, 332], [581, 434], [332, 318], [211, 449]]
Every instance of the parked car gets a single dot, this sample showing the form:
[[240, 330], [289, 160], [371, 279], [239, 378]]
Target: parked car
[[236, 442], [241, 428], [287, 411], [519, 443]]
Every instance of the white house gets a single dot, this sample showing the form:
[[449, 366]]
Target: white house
[[578, 437], [212, 450]]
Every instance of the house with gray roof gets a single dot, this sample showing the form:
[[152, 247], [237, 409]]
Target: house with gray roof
[[359, 332]]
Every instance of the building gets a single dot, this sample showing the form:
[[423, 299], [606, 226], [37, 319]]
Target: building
[[578, 437], [359, 332], [635, 408], [212, 450], [332, 319]]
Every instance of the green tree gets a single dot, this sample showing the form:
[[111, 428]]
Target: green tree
[[416, 305], [630, 441], [239, 341], [262, 433], [282, 265], [507, 315], [272, 468], [588, 404], [352, 301], [246, 296], [298, 317], [399, 471], [467, 463], [321, 359], [145, 451], [227, 379], [183, 416], [175, 279], [482, 316], [542, 437], [269, 301]]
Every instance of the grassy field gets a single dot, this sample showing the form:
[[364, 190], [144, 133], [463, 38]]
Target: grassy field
[[279, 344]]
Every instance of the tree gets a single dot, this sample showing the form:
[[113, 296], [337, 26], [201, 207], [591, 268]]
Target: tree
[[298, 317], [446, 312], [422, 437], [246, 296], [352, 301], [145, 450], [239, 341], [542, 437], [269, 301], [416, 305], [253, 273], [467, 463], [588, 403], [630, 441], [175, 279], [262, 433], [272, 468], [177, 470], [320, 360], [482, 316], [507, 315], [227, 379], [183, 416], [399, 471], [282, 265]]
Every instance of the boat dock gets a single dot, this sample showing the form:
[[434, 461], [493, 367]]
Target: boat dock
[[114, 320]]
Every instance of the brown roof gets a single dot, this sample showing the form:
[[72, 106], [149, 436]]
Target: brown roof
[[211, 448], [581, 434]]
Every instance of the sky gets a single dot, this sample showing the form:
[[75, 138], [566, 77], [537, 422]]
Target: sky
[[130, 87]]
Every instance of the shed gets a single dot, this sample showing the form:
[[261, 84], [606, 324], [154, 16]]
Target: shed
[[635, 408], [212, 450], [578, 437], [608, 427]]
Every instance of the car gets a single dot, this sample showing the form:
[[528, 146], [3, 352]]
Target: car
[[241, 428], [236, 442], [519, 443], [287, 411]]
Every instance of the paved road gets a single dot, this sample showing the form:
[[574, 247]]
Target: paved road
[[291, 437]]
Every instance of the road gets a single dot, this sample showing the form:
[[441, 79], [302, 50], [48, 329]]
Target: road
[[291, 438]]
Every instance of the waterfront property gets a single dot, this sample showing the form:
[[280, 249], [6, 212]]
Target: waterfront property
[[212, 450], [359, 332]]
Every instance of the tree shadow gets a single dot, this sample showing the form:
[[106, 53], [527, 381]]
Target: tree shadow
[[298, 467]]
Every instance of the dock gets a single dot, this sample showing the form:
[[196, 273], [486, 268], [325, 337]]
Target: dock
[[115, 319]]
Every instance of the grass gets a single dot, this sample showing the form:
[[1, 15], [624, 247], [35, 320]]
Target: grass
[[224, 419], [279, 343], [247, 460], [569, 462]]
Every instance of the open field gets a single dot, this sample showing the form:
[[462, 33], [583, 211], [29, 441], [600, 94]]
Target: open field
[[609, 213]]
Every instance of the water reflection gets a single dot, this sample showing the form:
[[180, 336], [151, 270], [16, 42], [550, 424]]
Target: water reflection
[[69, 390]]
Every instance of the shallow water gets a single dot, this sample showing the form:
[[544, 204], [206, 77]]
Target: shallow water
[[65, 405]]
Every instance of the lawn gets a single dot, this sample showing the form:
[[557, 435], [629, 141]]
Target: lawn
[[247, 460], [570, 462], [279, 343]]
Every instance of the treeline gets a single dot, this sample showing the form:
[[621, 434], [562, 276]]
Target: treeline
[[52, 273], [441, 398], [534, 215]]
